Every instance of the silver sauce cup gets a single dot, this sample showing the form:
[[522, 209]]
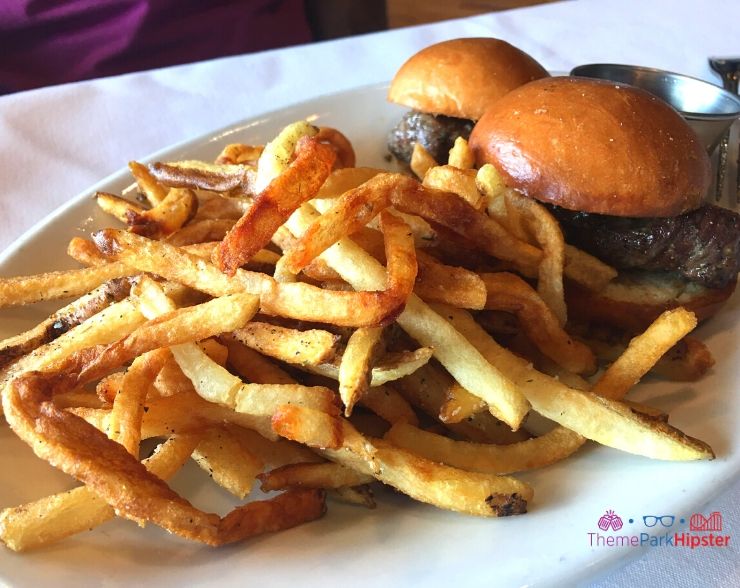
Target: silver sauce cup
[[708, 109]]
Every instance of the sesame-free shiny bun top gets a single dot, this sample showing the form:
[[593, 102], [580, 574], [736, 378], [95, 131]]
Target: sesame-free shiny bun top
[[594, 146], [462, 77]]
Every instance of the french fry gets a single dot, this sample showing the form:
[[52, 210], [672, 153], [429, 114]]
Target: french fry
[[354, 368], [351, 211], [228, 461], [421, 161], [594, 417], [537, 452], [343, 179], [546, 232], [457, 286], [56, 517], [458, 181], [235, 153], [56, 285], [644, 351], [64, 319], [461, 156], [464, 362], [312, 475], [251, 365], [460, 405], [510, 293], [198, 175], [391, 367], [341, 145], [389, 405], [423, 480], [148, 186], [275, 203], [296, 300], [309, 347], [427, 390]]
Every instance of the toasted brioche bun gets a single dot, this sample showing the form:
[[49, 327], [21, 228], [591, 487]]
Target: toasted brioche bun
[[634, 300], [462, 77], [594, 146]]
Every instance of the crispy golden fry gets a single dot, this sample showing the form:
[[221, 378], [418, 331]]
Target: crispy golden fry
[[198, 175], [460, 405], [687, 361], [389, 405], [391, 367], [274, 453], [124, 420], [464, 362], [546, 232], [347, 178], [458, 181], [457, 286], [220, 208], [201, 231], [228, 461], [105, 327], [296, 300], [351, 211], [423, 480], [311, 347], [235, 153], [453, 212], [537, 452], [427, 390], [341, 145], [644, 351], [56, 517], [421, 160], [354, 368], [276, 156], [64, 319], [298, 183], [312, 475], [177, 208], [55, 285], [357, 495], [148, 186], [492, 186], [251, 365], [461, 156], [510, 293], [587, 270], [594, 417], [120, 208], [80, 450]]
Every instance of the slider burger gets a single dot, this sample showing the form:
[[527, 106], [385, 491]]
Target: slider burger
[[626, 177], [449, 86]]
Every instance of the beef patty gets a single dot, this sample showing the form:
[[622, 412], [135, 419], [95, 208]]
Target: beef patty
[[701, 245], [436, 133]]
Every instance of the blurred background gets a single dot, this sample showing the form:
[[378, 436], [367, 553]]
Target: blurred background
[[48, 42]]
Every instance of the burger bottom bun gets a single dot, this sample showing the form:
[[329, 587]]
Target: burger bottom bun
[[634, 300]]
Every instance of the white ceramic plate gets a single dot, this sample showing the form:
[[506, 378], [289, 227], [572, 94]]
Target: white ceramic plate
[[401, 542]]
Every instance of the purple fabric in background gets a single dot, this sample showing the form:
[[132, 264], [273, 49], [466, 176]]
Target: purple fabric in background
[[45, 42]]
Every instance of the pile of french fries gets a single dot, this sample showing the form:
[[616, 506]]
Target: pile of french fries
[[287, 319]]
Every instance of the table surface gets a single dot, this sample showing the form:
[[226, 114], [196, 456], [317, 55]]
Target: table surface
[[55, 142]]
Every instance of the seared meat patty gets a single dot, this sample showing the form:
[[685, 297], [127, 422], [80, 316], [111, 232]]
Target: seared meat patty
[[436, 133], [701, 245]]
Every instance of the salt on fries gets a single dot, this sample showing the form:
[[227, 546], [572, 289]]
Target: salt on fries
[[282, 316]]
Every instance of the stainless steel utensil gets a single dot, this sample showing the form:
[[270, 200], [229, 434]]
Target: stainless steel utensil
[[708, 109], [729, 70]]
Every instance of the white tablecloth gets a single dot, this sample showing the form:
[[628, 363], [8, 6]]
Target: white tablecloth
[[55, 142]]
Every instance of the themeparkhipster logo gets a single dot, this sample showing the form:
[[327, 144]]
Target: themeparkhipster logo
[[704, 531]]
